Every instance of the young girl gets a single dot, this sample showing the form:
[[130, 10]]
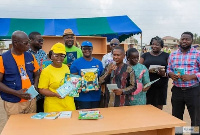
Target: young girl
[[142, 76]]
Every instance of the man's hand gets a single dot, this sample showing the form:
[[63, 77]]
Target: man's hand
[[173, 76], [21, 93], [117, 91], [188, 77]]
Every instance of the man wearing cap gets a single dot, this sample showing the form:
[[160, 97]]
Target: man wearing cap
[[88, 99], [51, 78], [18, 71], [108, 58], [72, 52], [36, 42]]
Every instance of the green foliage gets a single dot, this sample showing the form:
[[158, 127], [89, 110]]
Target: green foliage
[[196, 39], [2, 45], [135, 41]]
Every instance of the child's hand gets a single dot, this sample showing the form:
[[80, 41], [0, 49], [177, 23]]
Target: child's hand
[[145, 89], [111, 68], [117, 91]]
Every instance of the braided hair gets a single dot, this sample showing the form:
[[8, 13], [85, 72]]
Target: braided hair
[[159, 40]]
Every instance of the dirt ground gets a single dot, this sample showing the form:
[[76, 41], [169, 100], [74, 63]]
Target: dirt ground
[[167, 109]]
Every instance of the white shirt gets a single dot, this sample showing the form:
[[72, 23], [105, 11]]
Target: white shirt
[[108, 58]]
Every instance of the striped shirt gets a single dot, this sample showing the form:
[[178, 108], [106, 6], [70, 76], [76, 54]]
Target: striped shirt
[[40, 56], [189, 61]]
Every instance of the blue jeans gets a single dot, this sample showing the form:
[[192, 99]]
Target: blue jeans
[[190, 98], [86, 104]]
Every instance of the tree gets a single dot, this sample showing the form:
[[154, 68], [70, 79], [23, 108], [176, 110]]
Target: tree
[[196, 39], [2, 45], [135, 41]]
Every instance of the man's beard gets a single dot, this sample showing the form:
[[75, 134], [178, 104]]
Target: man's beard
[[69, 46], [186, 47], [38, 47]]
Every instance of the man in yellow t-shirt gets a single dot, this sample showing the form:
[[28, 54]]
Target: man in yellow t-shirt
[[51, 78], [18, 71]]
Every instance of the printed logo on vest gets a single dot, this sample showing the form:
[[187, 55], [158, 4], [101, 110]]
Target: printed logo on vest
[[31, 62], [23, 73]]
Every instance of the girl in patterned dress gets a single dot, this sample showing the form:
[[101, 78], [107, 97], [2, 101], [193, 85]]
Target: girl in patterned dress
[[138, 97]]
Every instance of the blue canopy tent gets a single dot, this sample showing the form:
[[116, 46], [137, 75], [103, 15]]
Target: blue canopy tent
[[120, 27]]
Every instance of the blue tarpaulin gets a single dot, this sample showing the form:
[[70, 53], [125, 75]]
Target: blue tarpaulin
[[120, 27]]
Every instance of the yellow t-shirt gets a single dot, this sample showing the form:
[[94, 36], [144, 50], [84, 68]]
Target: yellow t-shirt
[[20, 61], [52, 78]]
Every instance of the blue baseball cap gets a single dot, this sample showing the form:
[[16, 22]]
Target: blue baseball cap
[[86, 43]]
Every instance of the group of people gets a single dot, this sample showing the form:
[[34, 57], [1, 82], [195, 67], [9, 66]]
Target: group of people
[[167, 50], [21, 67]]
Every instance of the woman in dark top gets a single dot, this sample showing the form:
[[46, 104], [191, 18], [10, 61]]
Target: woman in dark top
[[157, 94]]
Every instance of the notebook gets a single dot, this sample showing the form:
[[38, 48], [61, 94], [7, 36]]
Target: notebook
[[32, 92]]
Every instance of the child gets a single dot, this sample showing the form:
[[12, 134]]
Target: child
[[48, 61], [142, 77]]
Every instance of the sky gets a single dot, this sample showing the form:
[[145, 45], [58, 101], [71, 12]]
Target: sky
[[154, 17]]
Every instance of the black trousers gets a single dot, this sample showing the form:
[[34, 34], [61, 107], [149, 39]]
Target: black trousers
[[190, 98], [86, 104], [40, 105]]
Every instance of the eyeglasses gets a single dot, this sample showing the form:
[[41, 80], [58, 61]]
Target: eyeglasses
[[114, 44], [87, 48], [40, 40], [57, 55]]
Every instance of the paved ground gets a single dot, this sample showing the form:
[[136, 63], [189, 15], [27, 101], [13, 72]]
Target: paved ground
[[167, 108], [3, 116]]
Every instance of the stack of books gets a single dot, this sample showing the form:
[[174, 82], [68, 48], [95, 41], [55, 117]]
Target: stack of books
[[89, 115], [52, 115]]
